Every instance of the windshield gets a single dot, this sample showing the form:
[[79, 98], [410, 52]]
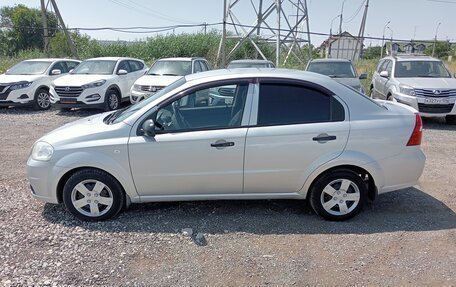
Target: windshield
[[425, 69], [333, 69], [171, 68], [123, 114], [248, 65], [29, 68], [95, 67]]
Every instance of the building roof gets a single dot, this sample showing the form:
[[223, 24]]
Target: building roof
[[337, 37]]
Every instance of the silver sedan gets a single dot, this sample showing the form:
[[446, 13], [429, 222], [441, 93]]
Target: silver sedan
[[283, 134]]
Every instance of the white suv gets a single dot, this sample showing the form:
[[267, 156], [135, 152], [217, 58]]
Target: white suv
[[28, 82], [162, 73], [419, 81], [97, 83]]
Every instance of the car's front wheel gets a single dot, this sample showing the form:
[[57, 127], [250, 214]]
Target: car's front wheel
[[42, 100], [338, 195], [92, 195], [112, 100]]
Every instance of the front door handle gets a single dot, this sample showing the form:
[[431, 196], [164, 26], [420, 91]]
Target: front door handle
[[323, 138], [221, 144]]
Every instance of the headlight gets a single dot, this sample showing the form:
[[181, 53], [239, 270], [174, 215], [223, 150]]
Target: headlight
[[20, 85], [94, 84], [407, 90], [42, 151], [137, 88]]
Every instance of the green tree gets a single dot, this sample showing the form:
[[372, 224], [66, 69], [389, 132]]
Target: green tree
[[442, 49], [23, 28], [372, 53]]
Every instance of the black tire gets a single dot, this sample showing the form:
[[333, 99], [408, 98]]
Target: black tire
[[89, 178], [42, 100], [110, 95], [451, 120], [318, 196]]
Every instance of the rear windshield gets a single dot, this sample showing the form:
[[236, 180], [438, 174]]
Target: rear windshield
[[420, 69], [333, 69]]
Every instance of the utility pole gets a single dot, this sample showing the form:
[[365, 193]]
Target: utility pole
[[259, 20], [360, 41], [221, 57], [279, 8], [383, 39], [45, 27], [340, 28], [67, 34], [435, 38]]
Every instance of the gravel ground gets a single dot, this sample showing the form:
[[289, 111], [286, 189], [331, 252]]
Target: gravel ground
[[406, 237]]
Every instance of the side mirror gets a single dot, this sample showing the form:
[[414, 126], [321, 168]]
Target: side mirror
[[363, 76], [71, 71], [148, 128], [56, 72], [384, 74], [122, 72]]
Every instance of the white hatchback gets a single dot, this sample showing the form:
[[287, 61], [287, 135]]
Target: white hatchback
[[97, 83], [285, 134]]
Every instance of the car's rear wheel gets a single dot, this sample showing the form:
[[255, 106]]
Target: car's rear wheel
[[451, 120], [338, 195], [92, 195], [42, 100], [112, 100]]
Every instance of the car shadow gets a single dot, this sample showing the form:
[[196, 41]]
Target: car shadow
[[437, 124], [405, 210]]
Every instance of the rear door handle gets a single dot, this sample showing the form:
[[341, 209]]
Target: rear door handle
[[222, 144], [324, 138]]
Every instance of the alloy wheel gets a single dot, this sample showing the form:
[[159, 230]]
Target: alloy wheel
[[113, 101], [43, 100], [92, 198], [340, 197]]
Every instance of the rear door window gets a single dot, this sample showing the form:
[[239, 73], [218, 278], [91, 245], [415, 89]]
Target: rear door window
[[284, 104]]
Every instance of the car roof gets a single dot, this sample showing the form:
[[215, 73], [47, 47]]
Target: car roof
[[255, 73], [412, 57], [181, 59], [50, 60], [251, 61], [113, 59], [330, 60]]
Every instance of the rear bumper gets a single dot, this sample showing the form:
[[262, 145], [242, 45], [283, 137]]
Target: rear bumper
[[402, 170]]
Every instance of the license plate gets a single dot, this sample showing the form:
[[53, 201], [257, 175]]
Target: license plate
[[67, 101], [437, 101]]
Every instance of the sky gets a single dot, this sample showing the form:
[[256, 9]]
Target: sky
[[409, 19]]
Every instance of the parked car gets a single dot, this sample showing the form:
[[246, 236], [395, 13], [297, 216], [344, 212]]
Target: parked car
[[249, 63], [163, 72], [101, 83], [287, 134], [28, 82], [341, 70], [421, 82]]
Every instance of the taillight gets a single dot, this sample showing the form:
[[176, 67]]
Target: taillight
[[415, 138]]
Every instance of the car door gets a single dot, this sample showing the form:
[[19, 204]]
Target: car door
[[376, 79], [295, 129], [124, 80], [198, 149]]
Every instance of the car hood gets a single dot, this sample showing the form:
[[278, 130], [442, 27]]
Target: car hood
[[429, 83], [5, 79], [79, 80], [352, 82], [88, 129], [153, 80]]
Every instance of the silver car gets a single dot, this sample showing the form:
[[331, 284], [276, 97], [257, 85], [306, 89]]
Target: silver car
[[419, 81], [286, 134], [341, 70]]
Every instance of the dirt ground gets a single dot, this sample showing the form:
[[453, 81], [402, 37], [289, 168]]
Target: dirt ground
[[407, 237]]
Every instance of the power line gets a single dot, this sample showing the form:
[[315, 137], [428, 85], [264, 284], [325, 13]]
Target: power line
[[161, 15], [351, 18]]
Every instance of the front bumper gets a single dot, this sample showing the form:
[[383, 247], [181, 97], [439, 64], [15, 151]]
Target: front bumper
[[88, 98], [43, 178], [428, 109], [20, 97]]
